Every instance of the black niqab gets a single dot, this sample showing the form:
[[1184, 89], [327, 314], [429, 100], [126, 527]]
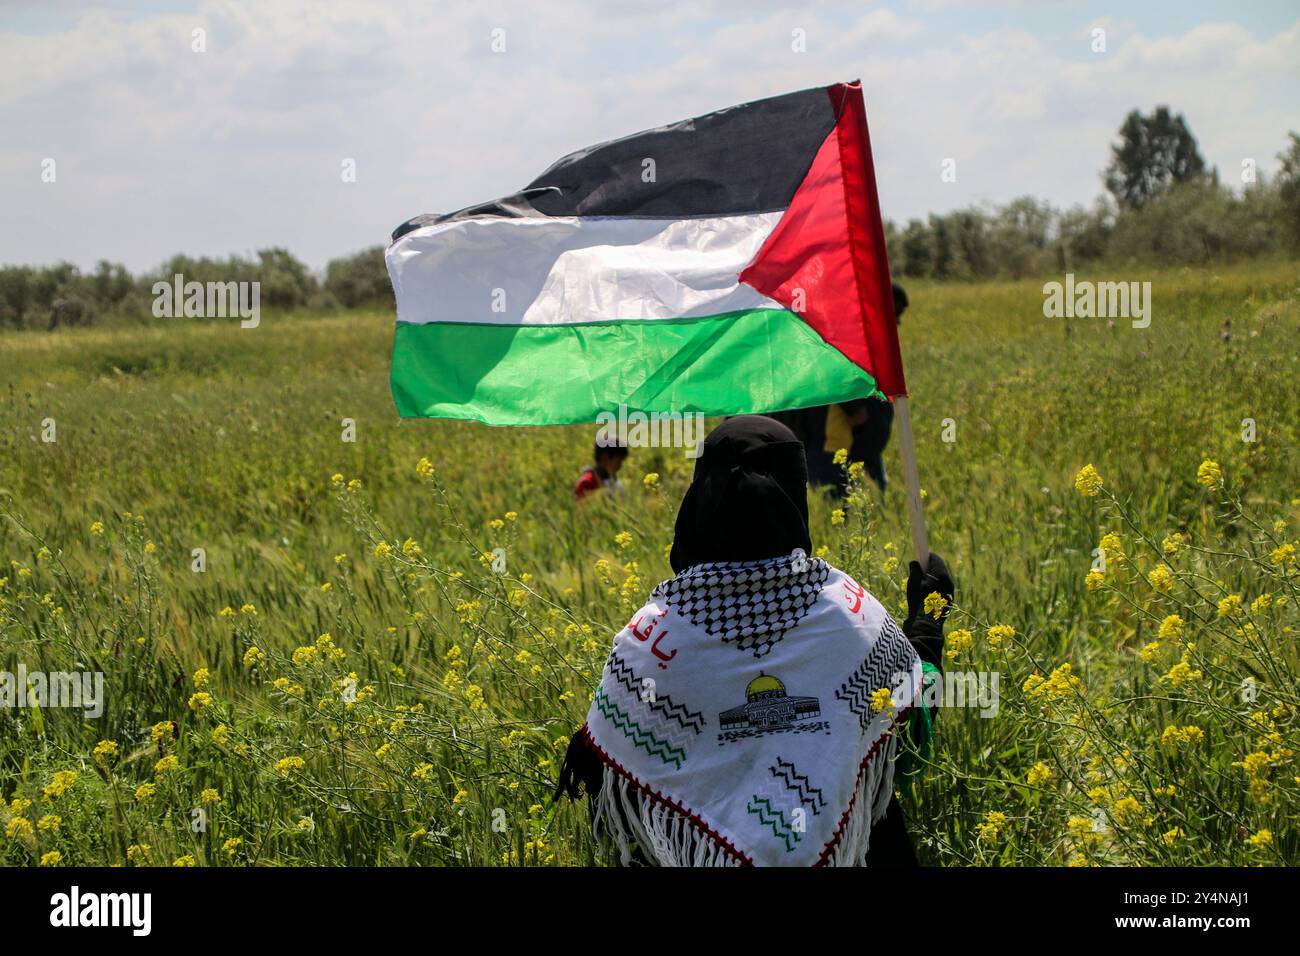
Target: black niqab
[[748, 499]]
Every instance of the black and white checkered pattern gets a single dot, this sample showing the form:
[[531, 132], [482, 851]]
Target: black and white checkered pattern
[[751, 604]]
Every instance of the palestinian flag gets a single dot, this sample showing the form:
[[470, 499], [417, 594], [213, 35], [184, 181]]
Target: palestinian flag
[[726, 264]]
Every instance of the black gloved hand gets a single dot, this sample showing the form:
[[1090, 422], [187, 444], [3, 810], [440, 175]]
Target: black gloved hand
[[920, 584]]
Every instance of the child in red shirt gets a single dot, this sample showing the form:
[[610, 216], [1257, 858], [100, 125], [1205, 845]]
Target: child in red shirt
[[603, 474]]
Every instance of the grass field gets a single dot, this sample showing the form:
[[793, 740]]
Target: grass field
[[349, 681]]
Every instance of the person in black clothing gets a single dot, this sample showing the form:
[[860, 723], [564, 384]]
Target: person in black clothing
[[748, 503], [871, 434], [861, 427]]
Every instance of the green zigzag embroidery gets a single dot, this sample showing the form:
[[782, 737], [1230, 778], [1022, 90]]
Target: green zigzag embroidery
[[636, 733], [770, 817]]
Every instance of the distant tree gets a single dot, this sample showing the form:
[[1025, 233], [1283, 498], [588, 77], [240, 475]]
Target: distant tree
[[918, 249], [16, 294], [1288, 186], [946, 263], [1153, 153], [360, 280], [111, 282], [1019, 238], [286, 281], [894, 247], [1084, 233], [971, 227]]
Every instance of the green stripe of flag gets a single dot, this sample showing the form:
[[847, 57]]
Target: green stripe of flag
[[758, 360]]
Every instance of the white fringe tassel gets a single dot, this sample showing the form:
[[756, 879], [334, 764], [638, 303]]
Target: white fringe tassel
[[666, 838]]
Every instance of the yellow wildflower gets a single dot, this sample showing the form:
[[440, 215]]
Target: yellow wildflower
[[137, 852], [934, 604], [1175, 736], [1088, 482], [999, 633], [166, 764], [18, 828], [1127, 810], [162, 732], [958, 641], [61, 784], [992, 826], [1062, 682], [287, 765], [1162, 578], [1182, 673], [304, 655], [1111, 546]]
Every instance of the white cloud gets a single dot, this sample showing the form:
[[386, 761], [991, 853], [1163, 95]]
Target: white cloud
[[161, 150]]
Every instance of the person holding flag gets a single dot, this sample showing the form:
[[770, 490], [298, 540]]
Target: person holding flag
[[762, 707]]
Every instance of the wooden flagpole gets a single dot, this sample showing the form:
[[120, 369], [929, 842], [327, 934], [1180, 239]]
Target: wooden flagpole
[[912, 483]]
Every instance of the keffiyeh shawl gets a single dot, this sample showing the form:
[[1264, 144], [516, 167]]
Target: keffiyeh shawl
[[738, 720]]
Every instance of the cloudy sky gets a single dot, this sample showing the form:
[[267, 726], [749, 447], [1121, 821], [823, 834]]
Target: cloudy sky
[[160, 149]]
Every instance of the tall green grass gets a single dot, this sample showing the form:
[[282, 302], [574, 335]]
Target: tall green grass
[[443, 748]]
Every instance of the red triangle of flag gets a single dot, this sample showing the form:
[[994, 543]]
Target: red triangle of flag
[[826, 259]]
